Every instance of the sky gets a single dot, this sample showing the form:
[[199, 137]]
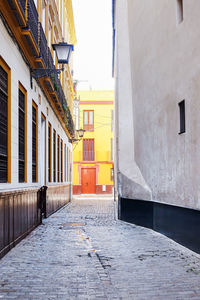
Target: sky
[[93, 51]]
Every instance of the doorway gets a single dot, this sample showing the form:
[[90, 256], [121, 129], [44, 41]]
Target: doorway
[[88, 181]]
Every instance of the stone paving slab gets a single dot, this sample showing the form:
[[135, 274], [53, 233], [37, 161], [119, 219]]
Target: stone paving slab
[[82, 252]]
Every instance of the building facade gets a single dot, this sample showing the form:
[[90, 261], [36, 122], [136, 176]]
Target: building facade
[[157, 73], [36, 123], [93, 156]]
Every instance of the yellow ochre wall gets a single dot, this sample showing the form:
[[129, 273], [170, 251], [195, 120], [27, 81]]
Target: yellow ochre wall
[[102, 104]]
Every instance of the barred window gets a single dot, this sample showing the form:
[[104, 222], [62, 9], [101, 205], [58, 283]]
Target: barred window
[[61, 154], [88, 149], [58, 158], [34, 144], [49, 152], [21, 136], [54, 156], [3, 125]]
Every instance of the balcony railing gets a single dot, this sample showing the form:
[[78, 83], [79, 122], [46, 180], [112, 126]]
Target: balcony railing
[[33, 20], [19, 10], [27, 17], [43, 45], [103, 156], [70, 124], [60, 95], [22, 4], [50, 60]]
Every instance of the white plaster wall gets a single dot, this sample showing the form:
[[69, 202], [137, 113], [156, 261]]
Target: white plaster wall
[[164, 59], [20, 72], [128, 170]]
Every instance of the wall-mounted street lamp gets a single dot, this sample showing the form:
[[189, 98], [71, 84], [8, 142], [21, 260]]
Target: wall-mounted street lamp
[[80, 134], [63, 52]]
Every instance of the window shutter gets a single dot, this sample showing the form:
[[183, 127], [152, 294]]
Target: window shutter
[[49, 153], [61, 155], [88, 149], [58, 160], [34, 144], [21, 136], [3, 125], [54, 156]]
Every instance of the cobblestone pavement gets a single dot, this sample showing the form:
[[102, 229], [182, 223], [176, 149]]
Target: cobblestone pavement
[[81, 252]]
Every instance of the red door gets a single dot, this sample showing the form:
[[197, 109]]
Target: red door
[[88, 181]]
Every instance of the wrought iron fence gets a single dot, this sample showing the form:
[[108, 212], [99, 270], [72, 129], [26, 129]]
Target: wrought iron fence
[[50, 60], [22, 4], [43, 45], [33, 20], [70, 124]]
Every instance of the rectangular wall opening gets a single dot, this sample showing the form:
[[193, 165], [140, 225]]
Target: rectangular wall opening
[[179, 13], [34, 142], [182, 116]]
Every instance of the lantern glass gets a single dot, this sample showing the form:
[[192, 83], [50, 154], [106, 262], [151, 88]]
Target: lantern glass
[[81, 132], [63, 51]]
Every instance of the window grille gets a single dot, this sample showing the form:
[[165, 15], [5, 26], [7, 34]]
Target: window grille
[[3, 126], [54, 156], [58, 159], [34, 144], [88, 149], [61, 154], [49, 153], [21, 136]]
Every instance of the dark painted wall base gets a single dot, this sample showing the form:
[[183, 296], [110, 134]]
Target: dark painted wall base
[[179, 224], [57, 197], [19, 214]]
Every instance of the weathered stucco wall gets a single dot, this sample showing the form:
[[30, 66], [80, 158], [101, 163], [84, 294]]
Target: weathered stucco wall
[[164, 60], [131, 183]]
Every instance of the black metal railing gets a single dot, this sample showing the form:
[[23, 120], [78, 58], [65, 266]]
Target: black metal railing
[[43, 45], [61, 96], [50, 60], [29, 9], [70, 125], [22, 4], [33, 20]]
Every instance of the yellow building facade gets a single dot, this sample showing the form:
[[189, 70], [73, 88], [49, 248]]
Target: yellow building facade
[[93, 155]]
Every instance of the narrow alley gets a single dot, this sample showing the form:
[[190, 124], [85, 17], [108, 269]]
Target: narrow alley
[[82, 252]]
